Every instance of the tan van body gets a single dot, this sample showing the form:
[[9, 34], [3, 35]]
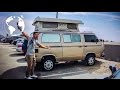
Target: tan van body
[[63, 50]]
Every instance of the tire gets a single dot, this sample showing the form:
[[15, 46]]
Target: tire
[[90, 60], [47, 64]]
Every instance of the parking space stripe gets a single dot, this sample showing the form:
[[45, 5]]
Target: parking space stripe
[[53, 75]]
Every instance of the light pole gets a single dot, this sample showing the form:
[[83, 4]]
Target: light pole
[[56, 14]]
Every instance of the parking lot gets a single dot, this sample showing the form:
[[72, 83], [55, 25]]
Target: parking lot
[[13, 66]]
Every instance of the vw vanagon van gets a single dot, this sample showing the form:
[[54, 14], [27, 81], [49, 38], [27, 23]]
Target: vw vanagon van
[[68, 46]]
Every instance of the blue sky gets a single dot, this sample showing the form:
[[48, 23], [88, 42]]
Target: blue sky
[[106, 25]]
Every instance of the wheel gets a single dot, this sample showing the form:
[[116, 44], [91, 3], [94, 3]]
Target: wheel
[[90, 60], [47, 64]]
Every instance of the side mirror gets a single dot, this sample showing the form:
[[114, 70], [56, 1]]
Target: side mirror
[[101, 40], [97, 40]]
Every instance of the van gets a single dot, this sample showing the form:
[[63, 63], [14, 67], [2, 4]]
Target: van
[[68, 46]]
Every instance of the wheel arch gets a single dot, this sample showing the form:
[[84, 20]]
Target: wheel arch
[[49, 56], [90, 53]]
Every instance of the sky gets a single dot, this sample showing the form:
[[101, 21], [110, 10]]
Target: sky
[[106, 25]]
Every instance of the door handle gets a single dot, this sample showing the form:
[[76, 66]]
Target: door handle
[[85, 46]]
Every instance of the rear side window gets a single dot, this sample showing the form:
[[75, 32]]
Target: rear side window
[[47, 38], [71, 38], [75, 38], [90, 38], [67, 38]]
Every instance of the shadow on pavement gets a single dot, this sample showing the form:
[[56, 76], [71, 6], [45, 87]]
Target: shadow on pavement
[[14, 73], [66, 69], [19, 72], [21, 60], [71, 66], [76, 64], [16, 54]]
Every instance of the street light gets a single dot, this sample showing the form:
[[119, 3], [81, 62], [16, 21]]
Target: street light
[[56, 14]]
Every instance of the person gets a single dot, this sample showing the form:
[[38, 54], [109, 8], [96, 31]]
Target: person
[[30, 54], [114, 68]]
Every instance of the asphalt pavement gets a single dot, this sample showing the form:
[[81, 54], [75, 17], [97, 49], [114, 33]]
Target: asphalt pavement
[[13, 66]]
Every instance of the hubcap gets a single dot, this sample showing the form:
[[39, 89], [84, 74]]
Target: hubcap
[[48, 65], [91, 61]]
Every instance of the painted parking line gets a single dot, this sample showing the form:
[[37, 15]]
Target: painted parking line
[[53, 75], [87, 76]]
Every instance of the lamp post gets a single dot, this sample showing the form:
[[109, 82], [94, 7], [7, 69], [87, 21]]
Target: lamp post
[[56, 14]]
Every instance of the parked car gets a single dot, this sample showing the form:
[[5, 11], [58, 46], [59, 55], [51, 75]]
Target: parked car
[[115, 75], [24, 46], [2, 40], [19, 47], [19, 40], [5, 40], [19, 44], [14, 42], [68, 46], [1, 37], [12, 38], [115, 72]]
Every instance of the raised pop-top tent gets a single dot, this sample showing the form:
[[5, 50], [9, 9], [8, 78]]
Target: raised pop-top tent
[[51, 24]]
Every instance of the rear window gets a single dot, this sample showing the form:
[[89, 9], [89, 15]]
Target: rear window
[[90, 38], [47, 38]]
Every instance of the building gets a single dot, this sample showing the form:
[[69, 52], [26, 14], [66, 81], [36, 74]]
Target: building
[[48, 24]]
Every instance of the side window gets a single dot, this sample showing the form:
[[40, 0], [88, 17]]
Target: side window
[[71, 38], [67, 38], [76, 38], [47, 38], [71, 26], [49, 25], [90, 38]]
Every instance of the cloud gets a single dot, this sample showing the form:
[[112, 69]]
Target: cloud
[[75, 13], [3, 29], [112, 17], [116, 31], [85, 29], [29, 28], [89, 29]]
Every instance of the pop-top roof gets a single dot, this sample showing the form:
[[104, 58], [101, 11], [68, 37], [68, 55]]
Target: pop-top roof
[[38, 19]]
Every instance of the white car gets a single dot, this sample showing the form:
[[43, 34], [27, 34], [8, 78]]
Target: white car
[[19, 40], [19, 44]]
